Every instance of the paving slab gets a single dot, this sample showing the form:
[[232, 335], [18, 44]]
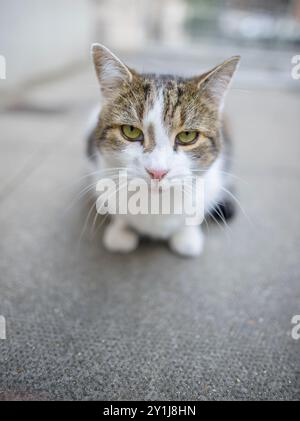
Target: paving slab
[[86, 324]]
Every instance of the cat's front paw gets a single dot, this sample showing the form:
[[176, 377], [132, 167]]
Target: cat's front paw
[[187, 242], [119, 239]]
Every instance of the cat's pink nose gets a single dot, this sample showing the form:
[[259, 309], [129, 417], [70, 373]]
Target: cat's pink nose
[[157, 174]]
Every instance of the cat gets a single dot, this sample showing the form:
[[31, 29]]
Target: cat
[[160, 127]]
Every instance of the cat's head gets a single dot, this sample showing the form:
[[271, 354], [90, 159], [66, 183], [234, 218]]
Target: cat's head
[[160, 126]]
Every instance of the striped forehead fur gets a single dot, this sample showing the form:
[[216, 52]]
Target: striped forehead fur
[[161, 106]]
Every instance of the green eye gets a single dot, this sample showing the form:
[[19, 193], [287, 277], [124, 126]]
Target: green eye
[[132, 133], [188, 137]]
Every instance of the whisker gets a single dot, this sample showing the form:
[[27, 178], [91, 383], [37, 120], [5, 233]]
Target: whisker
[[105, 216], [239, 204], [89, 188], [104, 170], [97, 212], [216, 221], [85, 224], [224, 172], [219, 213]]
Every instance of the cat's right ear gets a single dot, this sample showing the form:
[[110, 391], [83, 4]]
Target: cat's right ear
[[111, 72]]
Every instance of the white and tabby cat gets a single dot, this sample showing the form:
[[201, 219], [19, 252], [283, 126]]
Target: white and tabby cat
[[160, 127]]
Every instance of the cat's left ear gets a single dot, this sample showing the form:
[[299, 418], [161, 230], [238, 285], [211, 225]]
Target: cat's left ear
[[215, 83], [111, 72]]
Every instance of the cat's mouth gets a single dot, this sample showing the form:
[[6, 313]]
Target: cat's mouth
[[157, 187], [162, 186]]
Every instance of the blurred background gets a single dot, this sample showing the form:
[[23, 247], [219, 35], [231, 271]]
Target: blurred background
[[47, 39], [85, 324]]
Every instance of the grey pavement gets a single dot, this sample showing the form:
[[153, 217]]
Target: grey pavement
[[86, 324]]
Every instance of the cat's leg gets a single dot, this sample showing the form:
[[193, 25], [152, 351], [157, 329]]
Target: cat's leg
[[188, 241], [118, 237]]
